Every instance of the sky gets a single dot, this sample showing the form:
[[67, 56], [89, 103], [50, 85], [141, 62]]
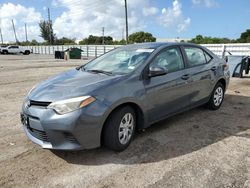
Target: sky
[[163, 18]]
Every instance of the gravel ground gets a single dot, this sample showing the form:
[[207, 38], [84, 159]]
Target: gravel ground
[[198, 148]]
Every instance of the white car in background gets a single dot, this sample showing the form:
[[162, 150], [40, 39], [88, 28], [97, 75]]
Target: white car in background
[[2, 46], [14, 49]]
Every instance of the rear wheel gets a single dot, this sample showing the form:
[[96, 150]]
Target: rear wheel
[[119, 129], [27, 52], [216, 97]]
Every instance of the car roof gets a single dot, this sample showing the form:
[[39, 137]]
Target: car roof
[[156, 45]]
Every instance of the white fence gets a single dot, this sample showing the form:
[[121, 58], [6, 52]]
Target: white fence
[[226, 49], [97, 50], [88, 50]]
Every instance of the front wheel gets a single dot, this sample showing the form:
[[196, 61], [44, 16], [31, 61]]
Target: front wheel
[[216, 97], [119, 129]]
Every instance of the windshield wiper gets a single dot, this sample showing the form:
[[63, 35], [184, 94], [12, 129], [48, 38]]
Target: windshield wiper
[[100, 71], [80, 67]]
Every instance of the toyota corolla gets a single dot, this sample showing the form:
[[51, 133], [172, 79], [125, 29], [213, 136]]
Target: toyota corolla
[[105, 101]]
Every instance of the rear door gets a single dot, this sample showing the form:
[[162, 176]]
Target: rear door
[[201, 72], [13, 49], [10, 49], [166, 94]]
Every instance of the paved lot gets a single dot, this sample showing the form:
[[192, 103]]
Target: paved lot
[[198, 148]]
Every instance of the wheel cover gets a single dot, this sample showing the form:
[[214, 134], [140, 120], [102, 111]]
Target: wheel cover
[[126, 128], [218, 96]]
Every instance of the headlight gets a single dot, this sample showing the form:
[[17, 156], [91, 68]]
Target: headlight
[[69, 105]]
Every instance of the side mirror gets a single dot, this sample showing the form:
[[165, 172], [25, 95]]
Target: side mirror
[[157, 71]]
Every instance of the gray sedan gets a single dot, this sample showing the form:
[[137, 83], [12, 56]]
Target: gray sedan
[[106, 100]]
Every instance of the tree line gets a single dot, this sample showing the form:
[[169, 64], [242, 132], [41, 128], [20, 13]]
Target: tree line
[[244, 38], [50, 38]]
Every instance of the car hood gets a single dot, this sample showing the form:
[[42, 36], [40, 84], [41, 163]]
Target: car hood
[[73, 83]]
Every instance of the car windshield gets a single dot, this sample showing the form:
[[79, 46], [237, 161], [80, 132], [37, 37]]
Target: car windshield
[[119, 61]]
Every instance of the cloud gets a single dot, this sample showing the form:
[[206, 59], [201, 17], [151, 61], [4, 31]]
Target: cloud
[[81, 18], [183, 25], [85, 17], [20, 16], [206, 3], [172, 18], [148, 11]]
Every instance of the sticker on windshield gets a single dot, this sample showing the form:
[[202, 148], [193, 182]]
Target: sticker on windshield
[[144, 50]]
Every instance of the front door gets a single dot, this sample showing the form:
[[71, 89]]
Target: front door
[[166, 94]]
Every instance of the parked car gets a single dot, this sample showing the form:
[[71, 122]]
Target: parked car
[[238, 65], [129, 88], [1, 47], [12, 49]]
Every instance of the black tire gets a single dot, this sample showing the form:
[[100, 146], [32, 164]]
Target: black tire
[[5, 52], [212, 105], [27, 52], [110, 136]]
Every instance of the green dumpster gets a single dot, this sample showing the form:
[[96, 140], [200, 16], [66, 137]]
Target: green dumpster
[[73, 53]]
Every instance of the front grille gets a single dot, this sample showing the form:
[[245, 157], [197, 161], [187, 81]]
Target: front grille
[[69, 137], [39, 103], [41, 135]]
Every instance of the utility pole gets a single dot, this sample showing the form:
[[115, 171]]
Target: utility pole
[[103, 36], [14, 31], [1, 35], [126, 17], [50, 27], [26, 35]]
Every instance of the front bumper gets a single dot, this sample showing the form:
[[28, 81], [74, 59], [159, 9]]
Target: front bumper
[[80, 129], [43, 144]]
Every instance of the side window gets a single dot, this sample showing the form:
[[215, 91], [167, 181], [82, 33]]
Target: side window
[[195, 56], [170, 58]]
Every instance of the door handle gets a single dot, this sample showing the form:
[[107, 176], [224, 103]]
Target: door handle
[[213, 68], [185, 77]]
